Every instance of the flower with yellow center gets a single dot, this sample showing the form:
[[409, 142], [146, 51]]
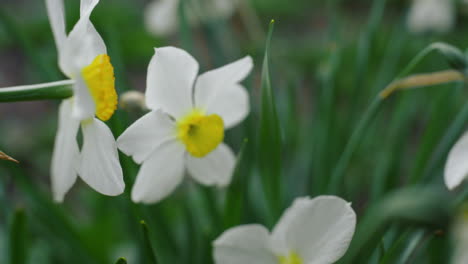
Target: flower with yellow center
[[185, 128], [315, 231], [83, 58]]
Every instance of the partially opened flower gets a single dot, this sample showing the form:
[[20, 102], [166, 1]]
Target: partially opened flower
[[185, 128], [162, 16], [83, 58], [315, 231], [456, 168], [435, 16]]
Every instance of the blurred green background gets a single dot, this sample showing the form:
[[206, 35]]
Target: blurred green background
[[328, 61]]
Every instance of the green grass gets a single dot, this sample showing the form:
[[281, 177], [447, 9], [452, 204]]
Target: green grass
[[317, 126]]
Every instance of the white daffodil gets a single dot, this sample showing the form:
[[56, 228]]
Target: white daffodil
[[161, 16], [436, 16], [185, 128], [456, 168], [83, 58], [315, 231]]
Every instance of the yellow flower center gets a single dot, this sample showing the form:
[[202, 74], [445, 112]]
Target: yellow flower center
[[292, 258], [99, 77], [200, 133]]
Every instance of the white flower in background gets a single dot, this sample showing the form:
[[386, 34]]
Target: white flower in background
[[456, 168], [82, 58], [185, 128], [436, 16], [315, 231], [162, 16]]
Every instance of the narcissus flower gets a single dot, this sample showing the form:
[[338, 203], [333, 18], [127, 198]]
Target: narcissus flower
[[431, 16], [456, 168], [83, 58], [162, 16], [315, 231], [185, 128]]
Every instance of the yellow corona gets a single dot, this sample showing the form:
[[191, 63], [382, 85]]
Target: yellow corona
[[200, 133], [99, 77]]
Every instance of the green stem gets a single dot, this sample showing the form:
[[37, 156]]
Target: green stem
[[44, 91], [353, 143]]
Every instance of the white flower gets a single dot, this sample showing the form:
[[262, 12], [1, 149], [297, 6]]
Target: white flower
[[315, 231], [82, 58], [162, 16], [431, 16], [185, 128], [456, 168]]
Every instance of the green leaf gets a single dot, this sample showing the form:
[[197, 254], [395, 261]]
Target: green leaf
[[148, 250], [419, 205], [47, 91], [18, 238], [236, 193], [270, 139]]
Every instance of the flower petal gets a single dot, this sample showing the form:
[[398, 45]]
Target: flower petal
[[171, 75], [100, 166], [244, 244], [218, 91], [87, 6], [56, 13], [456, 168], [160, 174], [84, 106], [143, 136], [65, 157], [232, 104], [216, 168], [161, 17], [319, 230], [81, 47]]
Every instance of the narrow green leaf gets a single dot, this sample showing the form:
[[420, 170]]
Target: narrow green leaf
[[18, 241], [236, 193], [46, 93], [149, 253], [419, 205], [270, 139], [345, 158]]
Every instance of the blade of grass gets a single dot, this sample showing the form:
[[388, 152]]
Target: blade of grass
[[270, 139], [419, 205], [236, 193], [18, 238], [148, 248]]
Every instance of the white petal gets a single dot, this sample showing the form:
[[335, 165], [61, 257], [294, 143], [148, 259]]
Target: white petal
[[87, 6], [218, 91], [319, 230], [248, 244], [56, 13], [160, 174], [84, 106], [231, 103], [65, 157], [143, 136], [161, 17], [456, 168], [100, 166], [81, 47], [171, 75], [216, 168]]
